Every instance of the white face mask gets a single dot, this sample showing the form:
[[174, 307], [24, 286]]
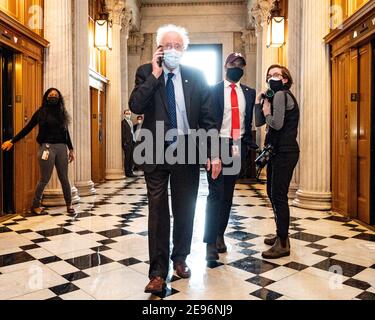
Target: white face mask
[[172, 58], [272, 79], [128, 117]]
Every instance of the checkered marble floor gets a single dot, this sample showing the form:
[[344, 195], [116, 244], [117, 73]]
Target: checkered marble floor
[[101, 252]]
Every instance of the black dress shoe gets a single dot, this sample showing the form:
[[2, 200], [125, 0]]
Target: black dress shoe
[[182, 270], [220, 245], [211, 252]]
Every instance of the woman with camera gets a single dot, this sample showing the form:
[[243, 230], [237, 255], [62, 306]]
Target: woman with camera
[[54, 140], [277, 108]]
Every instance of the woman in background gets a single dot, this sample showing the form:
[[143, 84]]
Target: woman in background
[[54, 140]]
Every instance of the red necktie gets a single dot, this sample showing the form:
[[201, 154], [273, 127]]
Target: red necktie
[[235, 133]]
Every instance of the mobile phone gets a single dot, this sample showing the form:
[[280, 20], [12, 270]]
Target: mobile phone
[[161, 59]]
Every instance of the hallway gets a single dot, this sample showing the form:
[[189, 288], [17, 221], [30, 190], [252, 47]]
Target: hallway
[[101, 253]]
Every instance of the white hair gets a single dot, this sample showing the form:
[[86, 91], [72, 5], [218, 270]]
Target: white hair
[[162, 31]]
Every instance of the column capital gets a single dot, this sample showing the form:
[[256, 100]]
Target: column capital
[[116, 10], [127, 20], [315, 131], [260, 11]]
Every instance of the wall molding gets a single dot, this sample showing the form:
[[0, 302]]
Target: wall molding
[[194, 4]]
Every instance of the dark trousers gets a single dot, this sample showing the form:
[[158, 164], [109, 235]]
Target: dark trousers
[[128, 159], [58, 158], [279, 175], [219, 201], [184, 183]]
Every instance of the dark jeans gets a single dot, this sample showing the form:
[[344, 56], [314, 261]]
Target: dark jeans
[[219, 202], [184, 183], [128, 160], [279, 175]]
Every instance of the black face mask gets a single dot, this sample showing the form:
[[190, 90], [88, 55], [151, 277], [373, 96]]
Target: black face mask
[[53, 101], [276, 85], [235, 74]]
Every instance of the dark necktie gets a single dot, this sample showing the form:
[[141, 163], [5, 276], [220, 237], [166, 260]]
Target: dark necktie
[[172, 114]]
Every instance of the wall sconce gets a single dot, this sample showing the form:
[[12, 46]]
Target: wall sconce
[[103, 32], [276, 28]]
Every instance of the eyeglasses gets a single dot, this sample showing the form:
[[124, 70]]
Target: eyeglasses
[[176, 46], [275, 75]]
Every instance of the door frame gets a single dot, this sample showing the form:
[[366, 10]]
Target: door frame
[[99, 83], [1, 139], [7, 55], [98, 134], [372, 151]]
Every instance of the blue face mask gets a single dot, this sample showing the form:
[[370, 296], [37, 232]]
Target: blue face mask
[[172, 58]]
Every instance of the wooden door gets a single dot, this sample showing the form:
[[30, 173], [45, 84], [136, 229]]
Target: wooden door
[[340, 133], [29, 92], [95, 168], [364, 133], [97, 135], [351, 133]]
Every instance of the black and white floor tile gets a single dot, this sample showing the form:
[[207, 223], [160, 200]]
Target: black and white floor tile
[[102, 252]]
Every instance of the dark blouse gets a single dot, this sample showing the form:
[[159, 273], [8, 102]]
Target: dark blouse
[[50, 130]]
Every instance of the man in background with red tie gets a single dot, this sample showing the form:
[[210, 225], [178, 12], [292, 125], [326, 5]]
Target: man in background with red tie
[[233, 105]]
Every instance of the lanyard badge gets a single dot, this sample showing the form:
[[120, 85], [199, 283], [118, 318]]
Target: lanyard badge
[[45, 154], [235, 151]]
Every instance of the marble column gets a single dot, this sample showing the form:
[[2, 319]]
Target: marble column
[[135, 48], [265, 56], [81, 99], [124, 60], [58, 73], [294, 65], [114, 158], [147, 52], [260, 132], [315, 139], [250, 47]]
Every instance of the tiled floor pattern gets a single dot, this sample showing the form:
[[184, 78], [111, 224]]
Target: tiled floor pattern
[[101, 253]]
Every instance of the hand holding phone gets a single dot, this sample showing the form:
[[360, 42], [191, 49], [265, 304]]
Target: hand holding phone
[[157, 62], [160, 59]]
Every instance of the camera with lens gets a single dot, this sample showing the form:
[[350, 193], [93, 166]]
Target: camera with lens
[[267, 153], [268, 95]]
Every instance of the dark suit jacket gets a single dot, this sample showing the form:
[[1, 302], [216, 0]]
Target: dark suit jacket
[[126, 133], [218, 106], [149, 98]]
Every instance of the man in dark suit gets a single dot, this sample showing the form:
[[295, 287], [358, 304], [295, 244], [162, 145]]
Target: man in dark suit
[[137, 130], [128, 141], [178, 97], [138, 126], [233, 104]]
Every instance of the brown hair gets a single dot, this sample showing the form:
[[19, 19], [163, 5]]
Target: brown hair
[[285, 73]]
